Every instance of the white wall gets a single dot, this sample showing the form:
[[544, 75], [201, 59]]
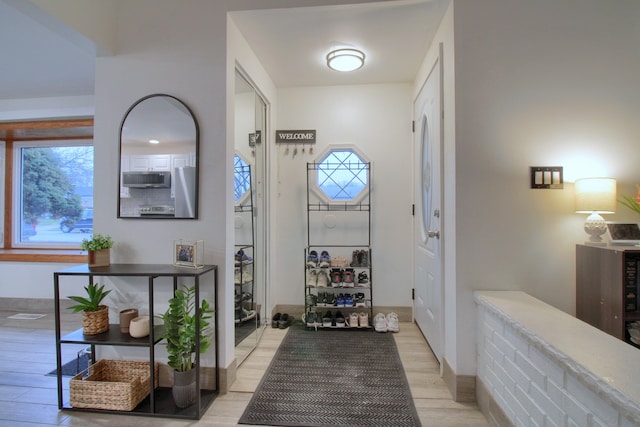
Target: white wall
[[376, 119], [543, 82]]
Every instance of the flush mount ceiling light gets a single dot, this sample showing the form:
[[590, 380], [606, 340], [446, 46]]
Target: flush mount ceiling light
[[345, 59], [154, 141]]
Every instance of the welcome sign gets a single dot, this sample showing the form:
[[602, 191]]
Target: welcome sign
[[296, 136]]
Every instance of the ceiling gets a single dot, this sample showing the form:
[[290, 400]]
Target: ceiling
[[290, 43]]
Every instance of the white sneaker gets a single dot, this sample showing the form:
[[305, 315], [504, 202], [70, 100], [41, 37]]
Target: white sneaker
[[380, 323], [363, 319], [392, 322], [322, 279], [353, 320], [313, 279]]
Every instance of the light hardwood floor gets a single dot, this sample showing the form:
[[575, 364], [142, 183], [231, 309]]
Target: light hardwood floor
[[28, 396]]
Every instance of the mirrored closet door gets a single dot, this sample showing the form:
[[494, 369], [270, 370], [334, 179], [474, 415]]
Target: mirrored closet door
[[249, 190]]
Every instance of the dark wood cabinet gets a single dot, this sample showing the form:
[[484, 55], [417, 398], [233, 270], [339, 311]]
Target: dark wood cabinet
[[607, 287]]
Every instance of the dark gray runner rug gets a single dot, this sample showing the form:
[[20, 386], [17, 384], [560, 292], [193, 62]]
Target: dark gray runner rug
[[333, 378]]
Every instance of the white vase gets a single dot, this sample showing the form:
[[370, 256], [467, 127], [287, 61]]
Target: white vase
[[139, 327]]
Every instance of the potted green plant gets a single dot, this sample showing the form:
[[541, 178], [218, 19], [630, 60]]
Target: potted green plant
[[180, 335], [95, 315], [98, 248]]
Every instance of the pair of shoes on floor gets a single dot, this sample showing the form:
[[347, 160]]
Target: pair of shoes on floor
[[388, 323], [281, 321]]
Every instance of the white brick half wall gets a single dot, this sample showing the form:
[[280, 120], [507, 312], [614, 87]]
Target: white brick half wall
[[539, 366]]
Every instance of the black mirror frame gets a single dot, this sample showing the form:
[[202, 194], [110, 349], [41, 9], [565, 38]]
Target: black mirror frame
[[197, 154]]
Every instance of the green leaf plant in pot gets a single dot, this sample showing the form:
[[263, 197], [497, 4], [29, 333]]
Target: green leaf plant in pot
[[98, 247], [180, 335], [95, 315]]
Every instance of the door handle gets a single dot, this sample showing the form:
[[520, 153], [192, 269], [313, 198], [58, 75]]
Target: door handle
[[435, 234]]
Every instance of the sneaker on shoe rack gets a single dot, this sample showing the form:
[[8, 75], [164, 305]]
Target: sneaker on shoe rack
[[313, 278], [340, 300], [242, 258], [353, 320], [236, 276], [246, 276], [312, 259], [363, 320], [348, 300], [310, 319], [275, 320], [311, 300], [354, 259], [325, 260], [392, 322], [363, 279], [336, 277], [322, 279], [380, 323], [331, 300], [359, 300], [363, 258], [339, 320], [327, 319], [348, 277]]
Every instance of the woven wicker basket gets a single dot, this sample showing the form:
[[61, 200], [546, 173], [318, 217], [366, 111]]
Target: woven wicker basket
[[118, 385], [95, 322]]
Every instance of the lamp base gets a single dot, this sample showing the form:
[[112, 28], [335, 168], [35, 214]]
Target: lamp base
[[595, 227]]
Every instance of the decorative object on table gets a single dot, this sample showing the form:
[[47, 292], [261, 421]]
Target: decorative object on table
[[188, 253], [125, 318], [139, 327], [95, 316], [180, 335], [117, 385], [595, 196], [632, 203], [98, 247]]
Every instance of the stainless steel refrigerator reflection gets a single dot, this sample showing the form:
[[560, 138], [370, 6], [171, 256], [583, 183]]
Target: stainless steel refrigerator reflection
[[185, 191]]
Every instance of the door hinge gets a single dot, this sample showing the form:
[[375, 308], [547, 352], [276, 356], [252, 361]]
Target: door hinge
[[413, 294], [413, 210], [413, 126]]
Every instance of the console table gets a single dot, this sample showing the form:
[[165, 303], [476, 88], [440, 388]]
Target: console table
[[160, 401]]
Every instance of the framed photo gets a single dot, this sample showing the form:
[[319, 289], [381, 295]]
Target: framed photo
[[187, 253]]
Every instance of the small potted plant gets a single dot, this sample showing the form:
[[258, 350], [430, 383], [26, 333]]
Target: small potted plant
[[98, 247], [95, 315], [180, 334]]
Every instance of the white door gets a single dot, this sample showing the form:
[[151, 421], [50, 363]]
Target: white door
[[428, 238]]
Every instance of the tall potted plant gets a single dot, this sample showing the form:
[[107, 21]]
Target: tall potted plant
[[180, 334], [95, 315], [98, 247]]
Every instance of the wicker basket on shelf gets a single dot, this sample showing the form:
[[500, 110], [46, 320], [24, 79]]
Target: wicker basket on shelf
[[118, 385], [95, 322]]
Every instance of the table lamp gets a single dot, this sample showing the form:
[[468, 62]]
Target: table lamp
[[595, 196]]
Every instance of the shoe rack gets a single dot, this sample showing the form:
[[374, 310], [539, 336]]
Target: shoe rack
[[338, 273]]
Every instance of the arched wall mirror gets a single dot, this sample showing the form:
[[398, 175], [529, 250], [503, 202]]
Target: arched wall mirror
[[158, 178]]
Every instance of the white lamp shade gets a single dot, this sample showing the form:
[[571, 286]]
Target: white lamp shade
[[596, 195]]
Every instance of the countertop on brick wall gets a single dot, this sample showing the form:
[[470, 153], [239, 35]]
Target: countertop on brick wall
[[606, 365]]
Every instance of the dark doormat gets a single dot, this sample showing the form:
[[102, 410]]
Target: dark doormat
[[73, 367], [333, 378]]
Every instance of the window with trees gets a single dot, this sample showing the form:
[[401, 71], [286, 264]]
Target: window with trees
[[49, 187]]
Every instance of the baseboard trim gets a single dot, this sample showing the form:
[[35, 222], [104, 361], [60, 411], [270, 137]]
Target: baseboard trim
[[461, 387], [489, 407]]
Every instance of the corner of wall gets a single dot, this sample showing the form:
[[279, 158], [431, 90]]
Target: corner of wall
[[461, 387]]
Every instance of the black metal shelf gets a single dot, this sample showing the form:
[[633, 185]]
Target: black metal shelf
[[159, 402]]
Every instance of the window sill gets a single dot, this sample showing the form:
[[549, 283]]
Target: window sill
[[43, 255]]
